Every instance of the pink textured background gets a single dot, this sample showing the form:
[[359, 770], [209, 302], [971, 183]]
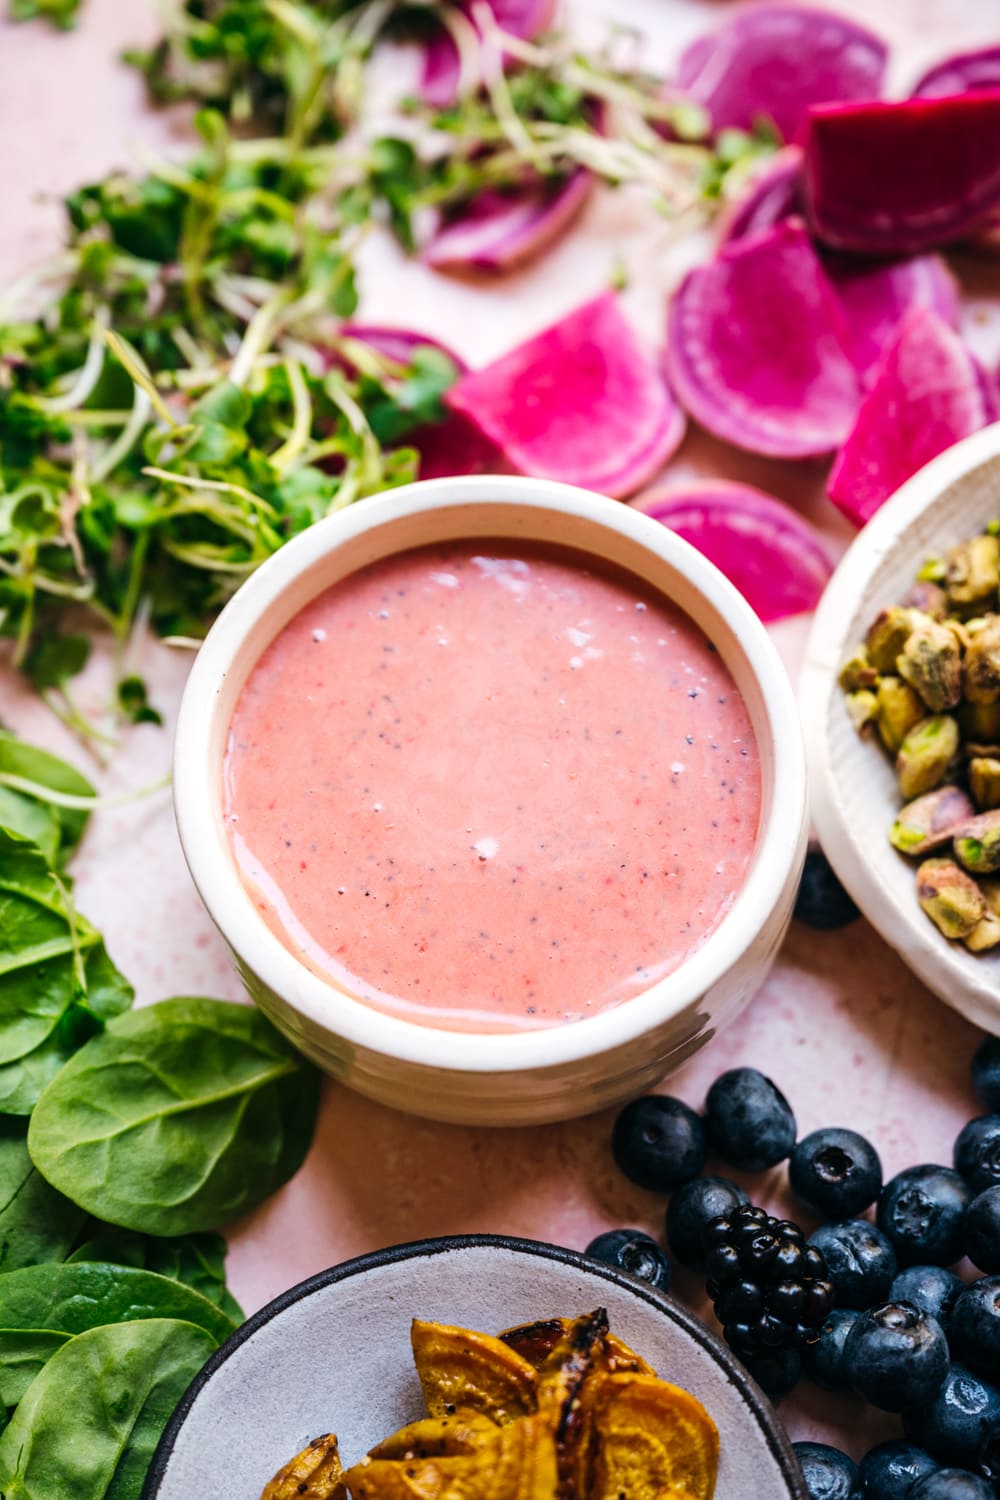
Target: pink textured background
[[841, 1024]]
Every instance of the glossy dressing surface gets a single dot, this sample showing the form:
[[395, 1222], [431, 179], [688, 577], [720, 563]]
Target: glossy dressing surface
[[486, 787]]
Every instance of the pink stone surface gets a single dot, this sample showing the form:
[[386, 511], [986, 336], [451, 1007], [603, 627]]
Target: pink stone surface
[[841, 1025]]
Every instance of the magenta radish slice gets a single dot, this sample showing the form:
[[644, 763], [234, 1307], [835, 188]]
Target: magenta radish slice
[[875, 298], [774, 61], [893, 179], [765, 548], [757, 347], [441, 73], [454, 446], [498, 231], [965, 73], [928, 393], [773, 193], [583, 401]]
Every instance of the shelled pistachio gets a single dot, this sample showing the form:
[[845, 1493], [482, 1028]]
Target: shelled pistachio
[[926, 679]]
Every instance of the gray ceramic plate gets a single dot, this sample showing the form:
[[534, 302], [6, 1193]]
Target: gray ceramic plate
[[334, 1354]]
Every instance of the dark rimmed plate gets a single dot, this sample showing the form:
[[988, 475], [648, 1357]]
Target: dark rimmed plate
[[334, 1354]]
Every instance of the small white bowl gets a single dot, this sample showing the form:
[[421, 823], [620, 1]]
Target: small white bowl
[[532, 1076], [334, 1355], [853, 787]]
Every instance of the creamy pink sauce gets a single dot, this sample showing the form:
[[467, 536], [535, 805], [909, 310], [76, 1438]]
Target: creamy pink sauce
[[488, 788]]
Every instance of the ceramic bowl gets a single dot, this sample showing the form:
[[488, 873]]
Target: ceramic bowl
[[334, 1355], [854, 793], [517, 1077]]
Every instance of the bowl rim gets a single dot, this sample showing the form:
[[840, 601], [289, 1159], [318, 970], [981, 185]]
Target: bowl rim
[[330, 1009], [767, 1419], [972, 993]]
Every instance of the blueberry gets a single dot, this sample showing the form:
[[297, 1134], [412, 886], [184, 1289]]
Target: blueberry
[[632, 1251], [922, 1211], [951, 1484], [860, 1260], [775, 1373], [658, 1142], [896, 1356], [981, 1240], [749, 1120], [986, 1071], [977, 1153], [837, 1172], [931, 1288], [824, 1360], [829, 1474], [890, 1471], [975, 1332], [959, 1421], [822, 901], [691, 1209]]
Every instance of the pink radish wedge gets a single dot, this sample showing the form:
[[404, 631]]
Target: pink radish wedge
[[757, 347], [498, 231], [763, 546], [893, 179], [773, 192], [774, 61], [875, 297], [441, 73], [584, 402], [928, 393], [964, 73]]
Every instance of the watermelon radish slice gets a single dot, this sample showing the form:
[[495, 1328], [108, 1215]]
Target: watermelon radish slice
[[874, 298], [498, 231], [773, 193], [765, 548], [757, 347], [893, 179], [441, 73], [583, 401], [454, 446], [928, 393], [965, 73], [774, 61]]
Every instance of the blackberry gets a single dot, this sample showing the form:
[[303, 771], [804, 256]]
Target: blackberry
[[770, 1289]]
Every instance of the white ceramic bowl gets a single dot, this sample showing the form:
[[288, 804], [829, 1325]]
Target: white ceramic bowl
[[854, 793], [514, 1078], [334, 1355]]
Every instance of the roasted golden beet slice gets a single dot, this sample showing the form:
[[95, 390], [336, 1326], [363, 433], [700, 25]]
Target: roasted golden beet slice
[[539, 1343], [459, 1367], [623, 1360], [519, 1464], [648, 1437], [314, 1474], [439, 1437]]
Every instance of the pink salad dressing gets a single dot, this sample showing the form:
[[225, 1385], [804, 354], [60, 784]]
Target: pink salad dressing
[[486, 787]]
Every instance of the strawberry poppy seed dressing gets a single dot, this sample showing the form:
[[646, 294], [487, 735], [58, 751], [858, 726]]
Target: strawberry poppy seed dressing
[[489, 788]]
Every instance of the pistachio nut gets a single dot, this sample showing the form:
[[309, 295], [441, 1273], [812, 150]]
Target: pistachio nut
[[930, 822], [982, 664], [985, 934], [979, 722], [977, 843], [926, 754], [899, 708], [887, 635], [857, 672], [990, 890], [950, 897], [930, 598], [984, 781], [931, 662], [972, 573], [862, 708]]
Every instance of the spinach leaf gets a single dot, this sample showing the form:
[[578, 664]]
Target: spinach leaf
[[178, 1117], [36, 1222], [43, 1306], [199, 1260], [31, 820], [89, 1423], [30, 763]]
